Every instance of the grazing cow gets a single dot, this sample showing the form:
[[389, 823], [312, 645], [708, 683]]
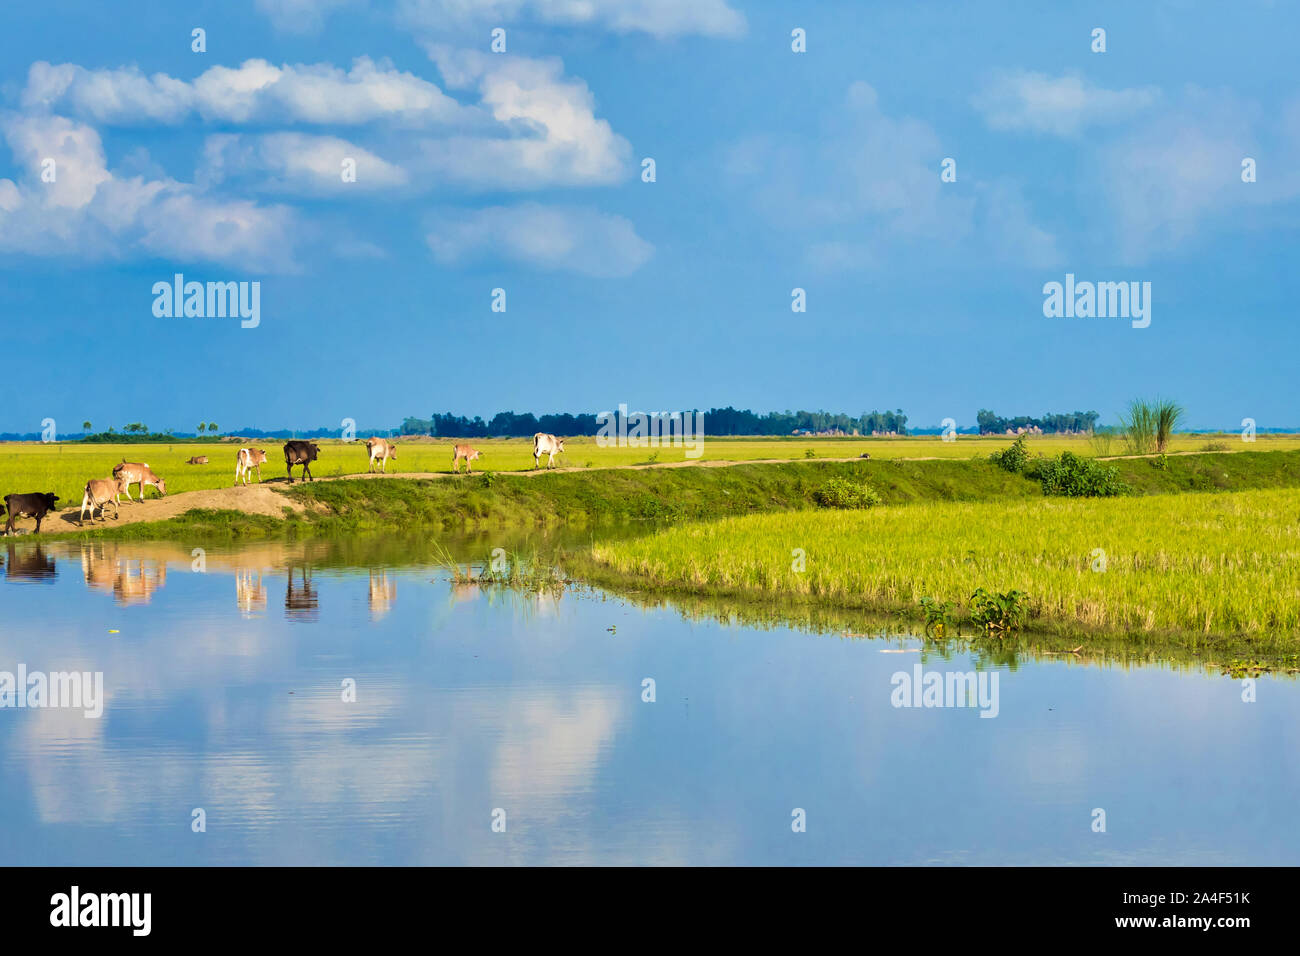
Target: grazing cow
[[198, 460], [138, 473], [464, 451], [381, 450], [865, 454], [246, 459], [100, 492], [300, 453], [35, 504], [549, 445]]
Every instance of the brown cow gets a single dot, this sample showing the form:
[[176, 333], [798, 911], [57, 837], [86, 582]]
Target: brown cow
[[198, 460], [469, 454], [246, 459], [381, 450], [138, 473], [100, 492]]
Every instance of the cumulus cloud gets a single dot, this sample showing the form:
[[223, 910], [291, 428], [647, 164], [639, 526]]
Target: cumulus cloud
[[88, 212], [295, 162], [546, 237], [1022, 100], [530, 125], [545, 129], [254, 92], [662, 19]]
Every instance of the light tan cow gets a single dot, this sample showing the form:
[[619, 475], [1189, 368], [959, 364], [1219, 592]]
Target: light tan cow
[[469, 454], [197, 460], [549, 445], [381, 450], [138, 473], [99, 492], [246, 459]]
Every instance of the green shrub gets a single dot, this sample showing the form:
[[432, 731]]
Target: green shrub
[[1076, 477], [843, 493], [1012, 458], [999, 612]]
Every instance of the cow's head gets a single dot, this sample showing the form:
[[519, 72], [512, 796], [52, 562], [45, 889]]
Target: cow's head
[[559, 445], [161, 486], [315, 450], [50, 498]]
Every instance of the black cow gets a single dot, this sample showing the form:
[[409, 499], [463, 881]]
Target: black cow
[[300, 453], [35, 504]]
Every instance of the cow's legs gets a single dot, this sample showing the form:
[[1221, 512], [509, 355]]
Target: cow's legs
[[38, 523], [306, 472]]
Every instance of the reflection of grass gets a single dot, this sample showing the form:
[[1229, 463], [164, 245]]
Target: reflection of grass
[[1204, 565]]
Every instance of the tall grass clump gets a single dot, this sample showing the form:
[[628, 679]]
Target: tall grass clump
[[1138, 425], [1149, 426], [1168, 414]]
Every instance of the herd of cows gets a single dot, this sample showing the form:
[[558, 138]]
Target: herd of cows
[[101, 492]]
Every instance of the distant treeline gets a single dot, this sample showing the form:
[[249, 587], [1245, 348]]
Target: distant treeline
[[717, 421], [990, 423]]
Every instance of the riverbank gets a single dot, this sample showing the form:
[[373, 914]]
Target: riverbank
[[660, 493], [1197, 570]]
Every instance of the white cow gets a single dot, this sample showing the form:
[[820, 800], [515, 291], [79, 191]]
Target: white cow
[[380, 451], [549, 445], [246, 459]]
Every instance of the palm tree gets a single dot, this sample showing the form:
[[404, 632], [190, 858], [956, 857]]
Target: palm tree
[[85, 426], [201, 427], [212, 427]]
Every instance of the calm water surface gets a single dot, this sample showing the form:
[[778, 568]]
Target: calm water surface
[[224, 691]]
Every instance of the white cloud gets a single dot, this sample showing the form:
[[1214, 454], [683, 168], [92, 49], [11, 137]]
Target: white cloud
[[545, 128], [254, 92], [1063, 106], [547, 237], [295, 162], [659, 18], [87, 212]]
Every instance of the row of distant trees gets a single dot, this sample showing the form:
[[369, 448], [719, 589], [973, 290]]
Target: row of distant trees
[[990, 423], [717, 421]]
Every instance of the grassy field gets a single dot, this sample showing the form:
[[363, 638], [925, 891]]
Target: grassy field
[[65, 467], [1205, 564]]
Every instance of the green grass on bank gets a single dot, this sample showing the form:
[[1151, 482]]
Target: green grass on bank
[[1207, 566], [681, 494]]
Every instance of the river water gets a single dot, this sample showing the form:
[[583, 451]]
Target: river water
[[336, 703]]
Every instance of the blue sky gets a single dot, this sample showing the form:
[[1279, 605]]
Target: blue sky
[[522, 171]]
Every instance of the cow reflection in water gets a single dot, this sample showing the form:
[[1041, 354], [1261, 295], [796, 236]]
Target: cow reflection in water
[[250, 592], [132, 581], [29, 564], [300, 600], [383, 593]]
